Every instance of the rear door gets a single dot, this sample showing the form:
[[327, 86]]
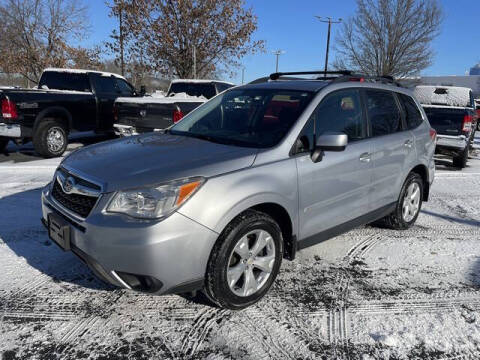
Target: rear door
[[336, 189], [393, 146]]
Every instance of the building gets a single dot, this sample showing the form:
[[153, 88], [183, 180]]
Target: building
[[475, 70]]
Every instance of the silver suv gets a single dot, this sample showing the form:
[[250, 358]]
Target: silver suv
[[258, 172]]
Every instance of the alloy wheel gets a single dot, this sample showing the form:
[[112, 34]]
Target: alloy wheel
[[251, 263], [411, 202]]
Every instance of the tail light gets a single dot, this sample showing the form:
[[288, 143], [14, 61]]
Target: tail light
[[467, 123], [9, 109], [357, 79], [433, 134], [177, 116]]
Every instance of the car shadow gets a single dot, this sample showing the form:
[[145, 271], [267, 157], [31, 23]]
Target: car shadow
[[23, 233], [25, 153], [463, 221]]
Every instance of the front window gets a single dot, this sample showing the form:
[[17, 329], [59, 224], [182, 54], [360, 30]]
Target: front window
[[246, 117]]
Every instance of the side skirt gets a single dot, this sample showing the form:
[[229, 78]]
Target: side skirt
[[349, 225]]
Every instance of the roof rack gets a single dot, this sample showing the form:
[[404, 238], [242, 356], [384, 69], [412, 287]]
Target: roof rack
[[277, 75], [342, 76]]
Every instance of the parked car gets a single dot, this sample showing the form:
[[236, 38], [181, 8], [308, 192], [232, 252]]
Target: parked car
[[451, 112], [65, 101], [215, 202], [139, 115]]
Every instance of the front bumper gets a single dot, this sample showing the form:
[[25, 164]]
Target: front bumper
[[10, 130], [124, 130], [174, 251]]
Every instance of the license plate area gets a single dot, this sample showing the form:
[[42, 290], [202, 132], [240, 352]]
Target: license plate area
[[59, 231]]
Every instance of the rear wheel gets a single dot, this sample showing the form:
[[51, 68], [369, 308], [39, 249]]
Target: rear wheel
[[460, 161], [408, 204], [245, 261], [3, 144], [51, 138]]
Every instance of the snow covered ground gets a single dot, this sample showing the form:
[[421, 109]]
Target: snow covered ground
[[368, 294]]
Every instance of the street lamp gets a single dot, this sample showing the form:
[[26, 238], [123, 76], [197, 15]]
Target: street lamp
[[330, 21], [277, 53]]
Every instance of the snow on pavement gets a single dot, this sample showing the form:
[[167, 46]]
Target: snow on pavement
[[368, 294]]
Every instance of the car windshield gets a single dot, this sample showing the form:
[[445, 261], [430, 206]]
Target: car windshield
[[245, 117]]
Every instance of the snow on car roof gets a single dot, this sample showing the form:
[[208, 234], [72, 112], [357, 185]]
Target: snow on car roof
[[199, 81], [180, 97], [82, 71], [443, 95]]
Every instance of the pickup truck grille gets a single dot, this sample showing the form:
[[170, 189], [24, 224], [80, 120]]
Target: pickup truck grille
[[78, 204]]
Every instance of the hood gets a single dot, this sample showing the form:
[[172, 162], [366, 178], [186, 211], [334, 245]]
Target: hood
[[151, 159]]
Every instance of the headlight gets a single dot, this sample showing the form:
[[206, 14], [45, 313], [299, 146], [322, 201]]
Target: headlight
[[156, 202]]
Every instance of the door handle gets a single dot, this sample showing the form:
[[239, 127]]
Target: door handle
[[408, 144], [365, 157]]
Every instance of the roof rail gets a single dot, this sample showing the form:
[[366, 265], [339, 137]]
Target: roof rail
[[277, 75]]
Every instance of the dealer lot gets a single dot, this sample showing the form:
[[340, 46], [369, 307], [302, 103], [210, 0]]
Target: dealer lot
[[369, 293]]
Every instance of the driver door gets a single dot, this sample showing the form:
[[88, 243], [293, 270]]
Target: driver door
[[336, 189]]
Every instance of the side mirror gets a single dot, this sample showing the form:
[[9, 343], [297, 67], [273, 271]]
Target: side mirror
[[329, 141], [143, 90]]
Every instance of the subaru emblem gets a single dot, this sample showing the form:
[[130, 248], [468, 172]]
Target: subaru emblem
[[68, 184], [143, 113]]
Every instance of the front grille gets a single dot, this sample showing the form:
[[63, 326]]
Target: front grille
[[79, 204]]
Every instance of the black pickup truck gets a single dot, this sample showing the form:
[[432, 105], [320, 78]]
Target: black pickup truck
[[150, 113], [451, 112], [64, 101]]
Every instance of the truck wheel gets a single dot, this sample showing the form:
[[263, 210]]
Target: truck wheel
[[460, 161], [50, 139], [408, 205], [244, 261], [3, 144]]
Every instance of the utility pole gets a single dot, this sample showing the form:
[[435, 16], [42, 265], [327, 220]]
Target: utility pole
[[194, 62], [277, 53], [330, 21], [243, 74], [122, 59]]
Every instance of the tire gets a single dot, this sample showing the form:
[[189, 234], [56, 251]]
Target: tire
[[460, 161], [397, 220], [3, 144], [246, 229], [51, 138]]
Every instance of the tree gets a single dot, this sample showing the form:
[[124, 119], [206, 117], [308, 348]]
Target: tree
[[169, 34], [389, 37], [38, 33]]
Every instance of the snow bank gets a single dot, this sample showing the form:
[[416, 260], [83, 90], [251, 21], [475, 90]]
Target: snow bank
[[199, 81], [443, 95]]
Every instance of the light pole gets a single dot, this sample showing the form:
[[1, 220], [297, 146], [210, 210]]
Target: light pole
[[277, 53], [330, 21]]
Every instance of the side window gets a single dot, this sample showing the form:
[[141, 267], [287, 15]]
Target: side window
[[341, 111], [105, 85], [306, 139], [414, 117], [222, 87], [124, 88], [383, 112], [65, 81]]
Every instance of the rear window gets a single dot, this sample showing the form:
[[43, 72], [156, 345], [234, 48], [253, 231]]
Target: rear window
[[194, 89], [65, 81], [413, 114]]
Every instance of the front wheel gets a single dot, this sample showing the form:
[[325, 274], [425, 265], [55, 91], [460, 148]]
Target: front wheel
[[3, 144], [244, 261], [408, 204]]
